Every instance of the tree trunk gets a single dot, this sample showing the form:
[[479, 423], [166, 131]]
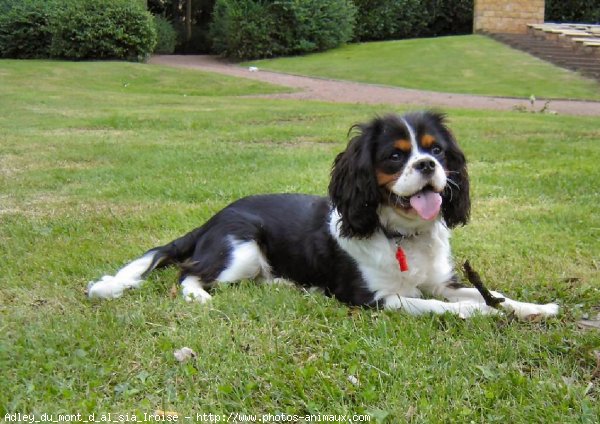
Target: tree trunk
[[188, 20]]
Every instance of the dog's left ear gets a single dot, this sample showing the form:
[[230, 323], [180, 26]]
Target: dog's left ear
[[353, 186], [456, 203]]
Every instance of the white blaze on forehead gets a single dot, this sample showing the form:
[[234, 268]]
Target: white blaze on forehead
[[413, 136]]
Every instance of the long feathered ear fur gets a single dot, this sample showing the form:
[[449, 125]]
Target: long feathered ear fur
[[456, 200], [353, 187]]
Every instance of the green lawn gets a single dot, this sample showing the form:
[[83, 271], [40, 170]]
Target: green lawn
[[471, 64], [100, 161]]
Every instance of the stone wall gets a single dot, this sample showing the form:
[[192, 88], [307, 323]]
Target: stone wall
[[507, 16]]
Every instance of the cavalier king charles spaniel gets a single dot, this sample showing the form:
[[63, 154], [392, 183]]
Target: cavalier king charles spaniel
[[380, 239]]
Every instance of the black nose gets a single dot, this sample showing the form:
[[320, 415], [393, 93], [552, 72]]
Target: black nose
[[425, 166]]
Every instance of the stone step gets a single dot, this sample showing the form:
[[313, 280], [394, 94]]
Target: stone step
[[562, 52]]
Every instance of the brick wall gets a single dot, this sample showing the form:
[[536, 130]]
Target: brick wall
[[507, 16]]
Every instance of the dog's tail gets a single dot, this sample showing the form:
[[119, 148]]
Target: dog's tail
[[133, 274]]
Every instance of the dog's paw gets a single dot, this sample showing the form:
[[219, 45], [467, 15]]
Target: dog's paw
[[106, 288], [195, 294], [530, 311]]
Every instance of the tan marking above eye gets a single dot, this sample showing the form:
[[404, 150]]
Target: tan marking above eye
[[403, 145], [427, 141], [384, 179]]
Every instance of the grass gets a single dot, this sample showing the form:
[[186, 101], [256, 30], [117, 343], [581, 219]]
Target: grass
[[470, 64], [93, 172]]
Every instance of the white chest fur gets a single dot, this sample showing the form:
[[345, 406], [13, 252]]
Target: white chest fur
[[427, 255]]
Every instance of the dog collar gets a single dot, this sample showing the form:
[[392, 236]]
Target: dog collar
[[395, 235]]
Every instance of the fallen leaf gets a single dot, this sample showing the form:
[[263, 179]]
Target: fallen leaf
[[534, 318], [410, 413], [173, 292], [184, 354]]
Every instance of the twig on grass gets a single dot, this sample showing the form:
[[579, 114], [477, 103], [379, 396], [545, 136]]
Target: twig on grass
[[475, 280]]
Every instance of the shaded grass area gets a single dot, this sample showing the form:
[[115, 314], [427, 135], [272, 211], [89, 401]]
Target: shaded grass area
[[471, 64], [94, 175]]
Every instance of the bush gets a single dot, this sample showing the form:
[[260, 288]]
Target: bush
[[396, 19], [76, 29], [166, 36], [249, 29], [26, 29], [242, 29], [449, 17], [390, 19], [103, 29], [319, 25], [583, 11]]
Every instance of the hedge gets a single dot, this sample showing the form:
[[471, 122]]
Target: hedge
[[396, 19], [250, 29], [449, 17], [389, 19], [166, 36], [76, 29], [26, 28], [583, 11], [103, 29]]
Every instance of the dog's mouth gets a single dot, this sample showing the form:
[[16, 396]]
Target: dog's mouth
[[426, 203]]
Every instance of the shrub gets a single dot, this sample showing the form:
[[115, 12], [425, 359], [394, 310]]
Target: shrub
[[76, 29], [166, 36], [584, 11], [396, 19], [449, 17], [390, 19], [242, 29], [319, 25], [103, 29], [26, 29], [248, 29]]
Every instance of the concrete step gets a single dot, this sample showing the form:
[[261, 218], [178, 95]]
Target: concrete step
[[560, 52]]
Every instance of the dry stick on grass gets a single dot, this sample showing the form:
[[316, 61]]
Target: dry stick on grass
[[475, 280]]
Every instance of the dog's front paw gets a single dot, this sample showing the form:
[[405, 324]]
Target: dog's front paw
[[530, 311]]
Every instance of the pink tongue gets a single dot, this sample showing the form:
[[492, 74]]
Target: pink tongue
[[427, 204]]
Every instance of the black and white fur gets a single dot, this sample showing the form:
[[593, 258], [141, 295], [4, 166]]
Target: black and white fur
[[345, 243]]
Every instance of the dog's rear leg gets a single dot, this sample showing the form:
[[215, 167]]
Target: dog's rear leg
[[227, 260], [193, 291], [133, 274], [128, 277]]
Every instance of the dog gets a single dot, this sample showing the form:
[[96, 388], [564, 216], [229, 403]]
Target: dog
[[380, 239]]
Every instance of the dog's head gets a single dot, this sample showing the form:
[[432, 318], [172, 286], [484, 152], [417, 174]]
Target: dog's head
[[412, 164]]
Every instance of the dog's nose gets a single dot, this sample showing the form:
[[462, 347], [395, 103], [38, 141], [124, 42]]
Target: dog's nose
[[425, 166]]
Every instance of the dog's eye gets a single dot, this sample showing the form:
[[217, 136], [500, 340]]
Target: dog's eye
[[436, 150], [396, 156]]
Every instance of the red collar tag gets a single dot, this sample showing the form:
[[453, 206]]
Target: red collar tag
[[401, 257]]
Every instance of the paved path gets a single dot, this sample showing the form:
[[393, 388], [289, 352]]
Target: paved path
[[330, 90]]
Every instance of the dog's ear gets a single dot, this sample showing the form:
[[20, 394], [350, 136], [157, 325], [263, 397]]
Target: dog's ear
[[353, 186], [456, 204]]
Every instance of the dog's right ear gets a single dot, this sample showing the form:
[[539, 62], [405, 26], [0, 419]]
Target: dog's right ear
[[353, 187]]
